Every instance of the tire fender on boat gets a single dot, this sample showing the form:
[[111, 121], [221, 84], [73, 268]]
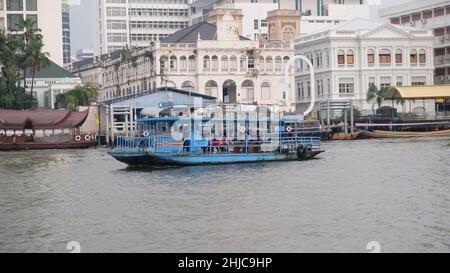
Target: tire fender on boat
[[301, 152], [146, 134], [289, 129], [87, 137], [78, 138]]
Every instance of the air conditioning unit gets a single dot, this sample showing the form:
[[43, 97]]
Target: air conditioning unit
[[412, 24], [424, 21]]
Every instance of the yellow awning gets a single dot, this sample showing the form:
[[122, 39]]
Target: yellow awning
[[418, 92]]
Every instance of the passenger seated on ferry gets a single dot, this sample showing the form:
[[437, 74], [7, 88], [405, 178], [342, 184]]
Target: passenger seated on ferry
[[215, 143], [186, 145]]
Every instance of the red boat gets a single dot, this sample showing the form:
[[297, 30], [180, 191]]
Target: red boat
[[43, 129]]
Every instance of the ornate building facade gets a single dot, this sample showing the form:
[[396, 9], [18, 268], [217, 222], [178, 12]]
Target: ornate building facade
[[354, 55], [207, 58]]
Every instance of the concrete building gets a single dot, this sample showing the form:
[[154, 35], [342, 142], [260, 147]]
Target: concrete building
[[136, 22], [315, 14], [65, 8], [49, 82], [47, 14], [211, 59], [427, 14], [350, 57], [85, 54]]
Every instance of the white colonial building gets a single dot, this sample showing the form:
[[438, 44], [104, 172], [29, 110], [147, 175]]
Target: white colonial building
[[208, 58], [352, 56]]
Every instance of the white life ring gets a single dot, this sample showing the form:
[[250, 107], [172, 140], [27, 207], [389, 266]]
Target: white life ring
[[78, 138], [146, 134], [87, 137], [289, 129]]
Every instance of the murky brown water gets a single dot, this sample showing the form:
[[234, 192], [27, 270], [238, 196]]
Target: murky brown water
[[396, 192]]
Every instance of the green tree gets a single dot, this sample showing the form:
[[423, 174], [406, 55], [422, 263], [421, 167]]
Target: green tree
[[376, 96], [37, 60], [81, 95], [18, 52]]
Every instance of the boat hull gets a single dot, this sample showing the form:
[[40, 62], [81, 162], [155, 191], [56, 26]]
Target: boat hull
[[167, 160], [46, 146], [343, 136], [393, 134]]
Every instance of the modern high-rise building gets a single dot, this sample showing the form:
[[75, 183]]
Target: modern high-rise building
[[428, 14], [65, 8], [46, 13], [137, 22]]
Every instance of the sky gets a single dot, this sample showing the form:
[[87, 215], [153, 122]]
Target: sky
[[81, 16]]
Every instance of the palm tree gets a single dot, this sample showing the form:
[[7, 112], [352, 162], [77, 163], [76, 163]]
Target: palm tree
[[37, 59], [376, 96], [29, 35]]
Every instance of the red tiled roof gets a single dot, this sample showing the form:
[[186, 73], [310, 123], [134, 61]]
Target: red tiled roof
[[42, 119]]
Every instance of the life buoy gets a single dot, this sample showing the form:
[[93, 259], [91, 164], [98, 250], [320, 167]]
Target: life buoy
[[78, 138], [87, 137], [288, 129], [146, 134]]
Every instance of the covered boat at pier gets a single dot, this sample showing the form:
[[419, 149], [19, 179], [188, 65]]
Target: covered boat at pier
[[43, 129]]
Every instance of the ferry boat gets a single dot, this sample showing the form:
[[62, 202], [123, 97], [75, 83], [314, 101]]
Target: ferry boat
[[220, 137], [187, 141]]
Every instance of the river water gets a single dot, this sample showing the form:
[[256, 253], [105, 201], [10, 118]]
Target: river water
[[395, 192]]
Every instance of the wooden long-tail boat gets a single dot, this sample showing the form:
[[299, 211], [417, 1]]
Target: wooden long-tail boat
[[404, 134]]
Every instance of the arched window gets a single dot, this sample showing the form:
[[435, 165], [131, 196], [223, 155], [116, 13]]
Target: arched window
[[269, 64], [173, 63], [138, 89], [211, 88], [350, 57], [370, 56], [384, 56], [398, 56], [413, 56], [248, 90], [183, 63], [285, 61], [233, 63], [206, 63], [214, 63], [192, 66], [278, 64], [243, 63], [341, 57], [265, 91], [164, 63], [188, 86], [261, 64], [224, 63], [422, 56]]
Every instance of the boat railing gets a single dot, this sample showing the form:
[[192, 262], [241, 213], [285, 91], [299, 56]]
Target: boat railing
[[168, 145]]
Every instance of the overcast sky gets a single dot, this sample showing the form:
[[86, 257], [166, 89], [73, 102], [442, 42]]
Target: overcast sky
[[81, 16]]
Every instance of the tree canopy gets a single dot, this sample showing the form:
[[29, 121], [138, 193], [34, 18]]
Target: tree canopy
[[81, 95], [20, 51]]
